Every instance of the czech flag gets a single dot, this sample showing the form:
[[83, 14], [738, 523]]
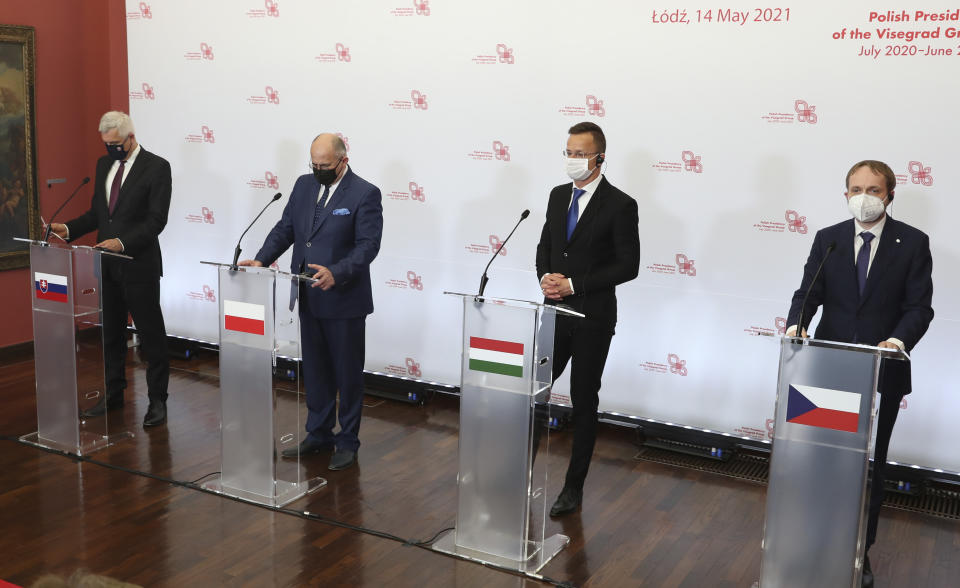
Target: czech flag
[[496, 357], [824, 408], [50, 286], [243, 317]]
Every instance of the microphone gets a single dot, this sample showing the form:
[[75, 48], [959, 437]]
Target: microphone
[[237, 250], [830, 248], [46, 234], [484, 279]]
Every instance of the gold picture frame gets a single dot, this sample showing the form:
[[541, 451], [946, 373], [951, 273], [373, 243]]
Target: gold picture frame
[[19, 202]]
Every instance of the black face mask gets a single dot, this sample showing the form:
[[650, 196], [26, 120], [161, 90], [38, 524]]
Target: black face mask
[[326, 176], [117, 152]]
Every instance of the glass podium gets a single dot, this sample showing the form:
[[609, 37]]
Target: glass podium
[[262, 409], [506, 372], [68, 348]]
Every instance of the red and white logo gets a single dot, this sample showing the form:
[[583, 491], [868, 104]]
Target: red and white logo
[[144, 11], [920, 174], [205, 216], [343, 53], [685, 265], [413, 368], [505, 54], [770, 423], [346, 141], [205, 136], [414, 281], [677, 366], [781, 325], [206, 51], [501, 151], [495, 243], [271, 180], [595, 106], [416, 192], [691, 162], [795, 222], [422, 7], [805, 112], [146, 93], [44, 285], [207, 294], [270, 96], [419, 100]]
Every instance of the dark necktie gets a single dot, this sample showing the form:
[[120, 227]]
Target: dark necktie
[[574, 212], [115, 188], [320, 204], [863, 259]]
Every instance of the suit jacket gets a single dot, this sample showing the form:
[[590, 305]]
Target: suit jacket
[[896, 298], [137, 220], [603, 251], [345, 240]]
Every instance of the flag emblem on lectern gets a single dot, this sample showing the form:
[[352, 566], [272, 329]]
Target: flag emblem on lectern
[[50, 286], [496, 357], [243, 317], [824, 408]]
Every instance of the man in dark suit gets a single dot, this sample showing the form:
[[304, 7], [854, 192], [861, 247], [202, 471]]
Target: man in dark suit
[[875, 289], [131, 198], [334, 220], [590, 243]]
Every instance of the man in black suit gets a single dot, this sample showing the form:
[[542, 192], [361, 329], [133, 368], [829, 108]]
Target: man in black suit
[[131, 198], [875, 289], [590, 244]]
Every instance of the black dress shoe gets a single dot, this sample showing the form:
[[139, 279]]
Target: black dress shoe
[[568, 501], [101, 407], [308, 445], [342, 459], [866, 580], [156, 414]]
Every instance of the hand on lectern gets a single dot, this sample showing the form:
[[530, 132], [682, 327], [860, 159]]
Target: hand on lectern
[[888, 345], [59, 229], [250, 262], [792, 332]]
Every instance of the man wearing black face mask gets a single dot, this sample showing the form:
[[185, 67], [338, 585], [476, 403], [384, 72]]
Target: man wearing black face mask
[[334, 220], [131, 198]]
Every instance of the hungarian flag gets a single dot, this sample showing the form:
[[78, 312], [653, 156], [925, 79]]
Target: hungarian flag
[[50, 286], [243, 317], [824, 408], [496, 357]]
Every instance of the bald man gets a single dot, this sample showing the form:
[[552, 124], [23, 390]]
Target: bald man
[[334, 221]]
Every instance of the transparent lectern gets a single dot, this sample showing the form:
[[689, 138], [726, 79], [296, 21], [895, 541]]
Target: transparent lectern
[[815, 528], [506, 371], [68, 348], [262, 411]]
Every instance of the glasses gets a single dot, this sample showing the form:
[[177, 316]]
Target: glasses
[[321, 167], [577, 154]]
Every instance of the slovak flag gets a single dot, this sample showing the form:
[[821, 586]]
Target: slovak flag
[[824, 408], [243, 317], [50, 286]]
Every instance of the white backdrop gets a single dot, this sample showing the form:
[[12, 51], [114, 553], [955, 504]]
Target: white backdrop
[[733, 129]]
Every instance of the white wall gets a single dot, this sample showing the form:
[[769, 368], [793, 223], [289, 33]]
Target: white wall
[[727, 92]]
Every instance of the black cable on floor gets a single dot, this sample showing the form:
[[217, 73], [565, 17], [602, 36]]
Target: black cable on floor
[[425, 544]]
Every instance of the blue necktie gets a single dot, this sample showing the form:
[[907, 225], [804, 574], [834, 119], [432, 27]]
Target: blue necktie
[[574, 212], [863, 259], [320, 204]]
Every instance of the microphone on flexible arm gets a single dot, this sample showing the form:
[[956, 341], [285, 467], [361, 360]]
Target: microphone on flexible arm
[[803, 306], [237, 250], [84, 182], [484, 279]]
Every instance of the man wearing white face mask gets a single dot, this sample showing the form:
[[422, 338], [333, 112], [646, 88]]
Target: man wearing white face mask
[[875, 289], [589, 245]]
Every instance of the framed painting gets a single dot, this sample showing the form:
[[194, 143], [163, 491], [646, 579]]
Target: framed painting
[[19, 209]]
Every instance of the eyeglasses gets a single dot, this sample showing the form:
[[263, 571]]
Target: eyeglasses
[[316, 167], [577, 154]]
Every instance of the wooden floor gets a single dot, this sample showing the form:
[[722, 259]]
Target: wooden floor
[[642, 524]]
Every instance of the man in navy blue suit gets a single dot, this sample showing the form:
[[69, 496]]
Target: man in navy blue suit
[[875, 289], [334, 220]]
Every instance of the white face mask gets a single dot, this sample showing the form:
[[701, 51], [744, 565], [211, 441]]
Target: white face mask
[[578, 168], [865, 208]]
